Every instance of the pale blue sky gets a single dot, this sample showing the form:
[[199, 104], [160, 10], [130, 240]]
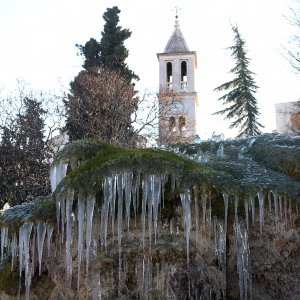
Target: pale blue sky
[[38, 40]]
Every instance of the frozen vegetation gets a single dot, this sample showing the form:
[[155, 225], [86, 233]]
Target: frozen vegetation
[[117, 217]]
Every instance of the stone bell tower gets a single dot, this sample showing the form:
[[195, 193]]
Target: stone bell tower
[[178, 101]]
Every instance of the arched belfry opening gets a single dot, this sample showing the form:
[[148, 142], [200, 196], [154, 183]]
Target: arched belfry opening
[[183, 78], [177, 67], [169, 76]]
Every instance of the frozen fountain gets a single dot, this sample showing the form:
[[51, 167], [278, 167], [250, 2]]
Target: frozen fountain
[[179, 223]]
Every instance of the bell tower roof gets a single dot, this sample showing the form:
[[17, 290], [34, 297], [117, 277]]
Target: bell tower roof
[[176, 42]]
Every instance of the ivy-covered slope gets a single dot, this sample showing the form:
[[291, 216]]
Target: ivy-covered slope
[[241, 166]]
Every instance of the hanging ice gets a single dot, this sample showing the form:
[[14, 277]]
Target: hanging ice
[[90, 204], [236, 204], [24, 239], [80, 212], [41, 233], [220, 249], [186, 207], [14, 248], [204, 200], [261, 201], [4, 236], [246, 204], [196, 216], [49, 229], [57, 174], [127, 189], [275, 196], [69, 220], [243, 261], [220, 151], [252, 204]]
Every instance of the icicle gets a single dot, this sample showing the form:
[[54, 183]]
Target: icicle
[[275, 196], [270, 201], [225, 198], [186, 207], [33, 251], [14, 246], [90, 204], [135, 196], [246, 204], [150, 211], [24, 238], [196, 216], [261, 200], [53, 177], [41, 233], [61, 170], [113, 204], [120, 187], [107, 198], [209, 220], [57, 204], [285, 209], [220, 249], [220, 151], [62, 217], [80, 212], [4, 235], [156, 198], [144, 203], [252, 203], [280, 206], [204, 200], [243, 261], [128, 188], [290, 209], [49, 229], [236, 204], [69, 204]]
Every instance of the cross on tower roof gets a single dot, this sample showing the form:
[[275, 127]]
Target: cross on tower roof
[[177, 10]]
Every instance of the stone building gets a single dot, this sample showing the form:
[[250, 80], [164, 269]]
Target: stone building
[[288, 118], [178, 100]]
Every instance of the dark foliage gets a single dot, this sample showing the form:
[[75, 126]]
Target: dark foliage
[[24, 171], [110, 51], [100, 106], [239, 99]]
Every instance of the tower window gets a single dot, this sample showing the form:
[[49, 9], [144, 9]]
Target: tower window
[[169, 76], [172, 124], [183, 75], [182, 123]]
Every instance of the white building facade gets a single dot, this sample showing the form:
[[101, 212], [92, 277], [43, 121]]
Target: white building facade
[[288, 118]]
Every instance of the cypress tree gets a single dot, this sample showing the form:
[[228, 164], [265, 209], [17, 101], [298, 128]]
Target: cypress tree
[[102, 97], [239, 98], [110, 52]]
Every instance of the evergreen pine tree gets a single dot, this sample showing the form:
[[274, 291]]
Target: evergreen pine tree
[[30, 140], [24, 171], [239, 99]]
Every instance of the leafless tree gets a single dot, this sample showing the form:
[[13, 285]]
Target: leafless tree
[[100, 106], [292, 52]]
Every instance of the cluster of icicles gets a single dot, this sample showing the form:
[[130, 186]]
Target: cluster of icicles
[[120, 193]]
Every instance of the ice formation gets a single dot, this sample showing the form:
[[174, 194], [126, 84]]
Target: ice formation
[[134, 201]]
